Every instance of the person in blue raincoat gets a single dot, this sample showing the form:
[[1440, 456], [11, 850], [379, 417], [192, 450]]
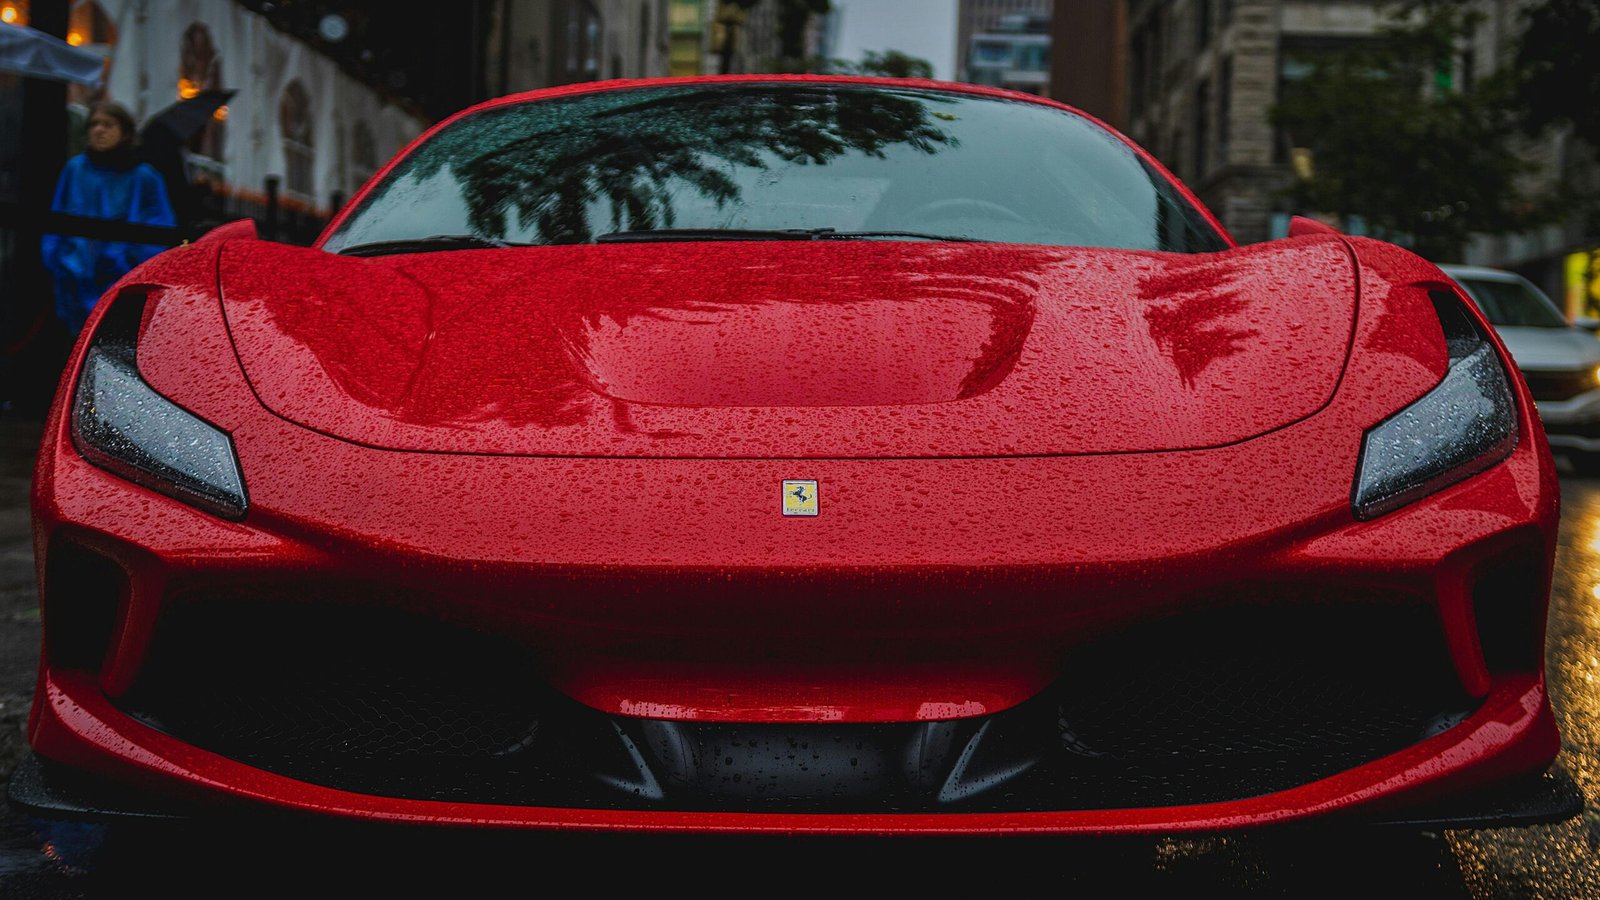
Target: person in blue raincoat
[[106, 181]]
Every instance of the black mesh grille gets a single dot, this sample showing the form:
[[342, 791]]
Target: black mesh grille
[[371, 700], [1559, 385], [1215, 706], [1253, 701]]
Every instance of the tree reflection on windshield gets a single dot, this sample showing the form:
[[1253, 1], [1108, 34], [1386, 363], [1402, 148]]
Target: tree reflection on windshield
[[553, 172]]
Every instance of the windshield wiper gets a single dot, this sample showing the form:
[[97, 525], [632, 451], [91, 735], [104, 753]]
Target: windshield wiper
[[763, 234], [425, 244]]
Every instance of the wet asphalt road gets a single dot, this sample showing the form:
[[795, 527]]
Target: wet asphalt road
[[39, 859]]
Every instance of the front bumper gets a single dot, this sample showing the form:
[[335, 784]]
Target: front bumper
[[45, 789], [653, 649]]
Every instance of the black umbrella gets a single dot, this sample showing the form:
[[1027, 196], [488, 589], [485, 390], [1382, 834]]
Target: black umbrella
[[161, 143], [184, 119]]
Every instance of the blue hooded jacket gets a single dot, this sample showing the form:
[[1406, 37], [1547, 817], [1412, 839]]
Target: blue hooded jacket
[[84, 267]]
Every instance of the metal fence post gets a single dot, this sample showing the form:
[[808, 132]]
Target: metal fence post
[[270, 225]]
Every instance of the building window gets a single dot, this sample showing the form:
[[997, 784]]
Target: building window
[[1035, 57], [89, 28], [591, 35], [1201, 131], [684, 19], [299, 154], [1202, 23], [685, 16], [200, 69], [574, 37], [991, 53], [583, 49], [1224, 109]]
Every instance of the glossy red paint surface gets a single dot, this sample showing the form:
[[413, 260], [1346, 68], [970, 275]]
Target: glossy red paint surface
[[866, 349], [524, 472]]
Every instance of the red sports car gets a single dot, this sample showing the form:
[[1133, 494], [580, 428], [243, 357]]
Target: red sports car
[[793, 454]]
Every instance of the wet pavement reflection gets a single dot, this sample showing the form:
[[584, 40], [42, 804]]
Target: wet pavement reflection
[[40, 859]]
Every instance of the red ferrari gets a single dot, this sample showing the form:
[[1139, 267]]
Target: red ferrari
[[793, 454]]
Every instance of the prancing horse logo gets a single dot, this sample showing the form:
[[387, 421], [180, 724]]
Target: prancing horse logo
[[799, 498]]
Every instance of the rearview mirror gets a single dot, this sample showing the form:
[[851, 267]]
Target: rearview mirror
[[240, 230], [1300, 226]]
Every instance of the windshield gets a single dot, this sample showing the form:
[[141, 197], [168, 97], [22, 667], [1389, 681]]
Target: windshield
[[762, 157], [1514, 303]]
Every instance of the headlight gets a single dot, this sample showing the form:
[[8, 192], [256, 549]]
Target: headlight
[[120, 423], [1464, 425]]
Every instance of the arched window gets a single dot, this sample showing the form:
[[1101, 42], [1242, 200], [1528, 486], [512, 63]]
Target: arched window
[[299, 151], [200, 69], [89, 27]]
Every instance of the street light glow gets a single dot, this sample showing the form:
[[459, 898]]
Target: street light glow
[[8, 14], [75, 38], [187, 89]]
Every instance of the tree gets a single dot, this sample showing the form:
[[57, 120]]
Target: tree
[[1557, 70], [888, 64], [1393, 137], [1556, 73]]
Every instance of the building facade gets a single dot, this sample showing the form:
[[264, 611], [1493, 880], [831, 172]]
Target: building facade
[[977, 17], [296, 120], [1202, 78], [541, 43], [534, 44], [1199, 78], [1014, 53]]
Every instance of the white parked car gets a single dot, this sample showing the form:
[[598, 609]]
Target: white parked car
[[1560, 361]]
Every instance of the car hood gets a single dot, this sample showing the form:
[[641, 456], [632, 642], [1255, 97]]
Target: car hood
[[792, 349], [1550, 348]]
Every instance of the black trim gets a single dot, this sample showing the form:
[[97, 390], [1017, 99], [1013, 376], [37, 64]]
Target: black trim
[[1541, 799], [43, 789]]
